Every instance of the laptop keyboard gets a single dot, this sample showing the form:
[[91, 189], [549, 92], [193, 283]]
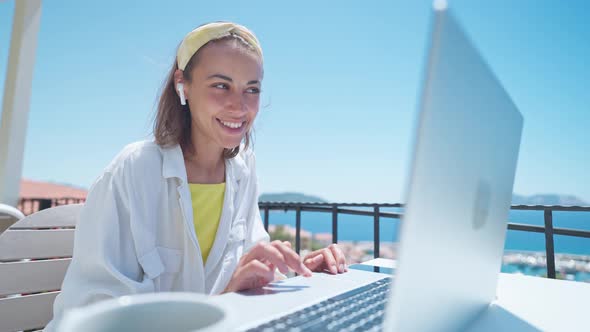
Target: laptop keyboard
[[361, 309]]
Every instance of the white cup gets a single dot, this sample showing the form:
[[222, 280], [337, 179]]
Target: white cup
[[148, 312]]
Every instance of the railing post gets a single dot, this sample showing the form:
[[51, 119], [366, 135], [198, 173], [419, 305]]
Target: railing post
[[266, 218], [334, 223], [298, 229], [549, 248], [376, 239]]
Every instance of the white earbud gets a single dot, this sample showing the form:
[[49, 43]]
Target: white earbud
[[180, 88]]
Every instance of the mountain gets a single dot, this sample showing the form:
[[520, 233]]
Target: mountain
[[547, 199], [539, 199], [290, 197]]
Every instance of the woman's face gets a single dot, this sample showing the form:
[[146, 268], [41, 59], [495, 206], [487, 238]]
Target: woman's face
[[224, 93]]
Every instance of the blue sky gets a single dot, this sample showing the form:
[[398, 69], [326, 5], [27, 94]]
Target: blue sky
[[340, 87]]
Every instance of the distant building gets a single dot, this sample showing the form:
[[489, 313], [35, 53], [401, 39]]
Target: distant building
[[37, 195]]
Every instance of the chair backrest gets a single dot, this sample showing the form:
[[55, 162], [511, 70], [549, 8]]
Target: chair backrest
[[35, 253], [8, 216]]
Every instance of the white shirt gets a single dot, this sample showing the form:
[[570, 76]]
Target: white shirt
[[136, 233]]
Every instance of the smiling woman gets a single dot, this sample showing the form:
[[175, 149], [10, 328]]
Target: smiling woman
[[181, 213], [222, 84]]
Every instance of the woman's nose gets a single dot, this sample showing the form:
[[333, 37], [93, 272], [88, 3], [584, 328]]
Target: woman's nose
[[237, 102]]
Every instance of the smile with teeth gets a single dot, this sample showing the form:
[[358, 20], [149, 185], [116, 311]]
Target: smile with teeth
[[233, 125]]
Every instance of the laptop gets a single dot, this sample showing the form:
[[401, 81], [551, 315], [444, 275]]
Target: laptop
[[454, 225]]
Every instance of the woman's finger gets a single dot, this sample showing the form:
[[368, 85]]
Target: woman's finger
[[329, 260], [257, 274], [314, 262], [339, 256], [291, 258], [265, 251], [253, 274]]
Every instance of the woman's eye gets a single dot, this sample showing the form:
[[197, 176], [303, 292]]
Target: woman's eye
[[253, 90], [221, 86]]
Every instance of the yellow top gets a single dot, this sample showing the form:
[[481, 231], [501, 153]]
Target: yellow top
[[207, 205]]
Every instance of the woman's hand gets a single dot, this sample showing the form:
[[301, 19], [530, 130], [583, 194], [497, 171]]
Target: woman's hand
[[330, 258], [257, 267]]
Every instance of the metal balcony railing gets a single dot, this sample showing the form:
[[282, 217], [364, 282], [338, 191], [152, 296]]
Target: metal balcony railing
[[352, 209], [31, 205]]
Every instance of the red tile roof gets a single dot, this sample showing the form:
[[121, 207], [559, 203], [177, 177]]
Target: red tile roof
[[38, 189]]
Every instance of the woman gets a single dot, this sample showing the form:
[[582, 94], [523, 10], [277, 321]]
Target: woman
[[181, 213]]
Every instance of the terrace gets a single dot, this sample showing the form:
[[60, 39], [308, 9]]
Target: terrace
[[42, 269]]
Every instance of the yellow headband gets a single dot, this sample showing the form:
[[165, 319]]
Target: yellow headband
[[195, 39]]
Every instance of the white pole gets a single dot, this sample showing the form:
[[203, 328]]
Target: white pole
[[17, 97]]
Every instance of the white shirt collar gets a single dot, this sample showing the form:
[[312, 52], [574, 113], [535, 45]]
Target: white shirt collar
[[173, 165]]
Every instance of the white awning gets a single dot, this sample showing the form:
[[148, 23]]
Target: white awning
[[17, 97]]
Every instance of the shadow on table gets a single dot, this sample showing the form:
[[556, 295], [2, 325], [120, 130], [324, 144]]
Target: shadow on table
[[273, 288], [496, 318]]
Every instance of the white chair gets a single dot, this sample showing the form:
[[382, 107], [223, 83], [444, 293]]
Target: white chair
[[35, 253], [8, 216]]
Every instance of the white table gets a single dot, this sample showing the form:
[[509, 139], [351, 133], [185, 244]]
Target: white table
[[524, 303], [527, 303]]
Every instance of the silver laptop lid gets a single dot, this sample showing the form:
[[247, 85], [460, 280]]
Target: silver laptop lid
[[460, 188]]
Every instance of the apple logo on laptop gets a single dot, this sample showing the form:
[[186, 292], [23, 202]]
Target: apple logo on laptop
[[482, 204]]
